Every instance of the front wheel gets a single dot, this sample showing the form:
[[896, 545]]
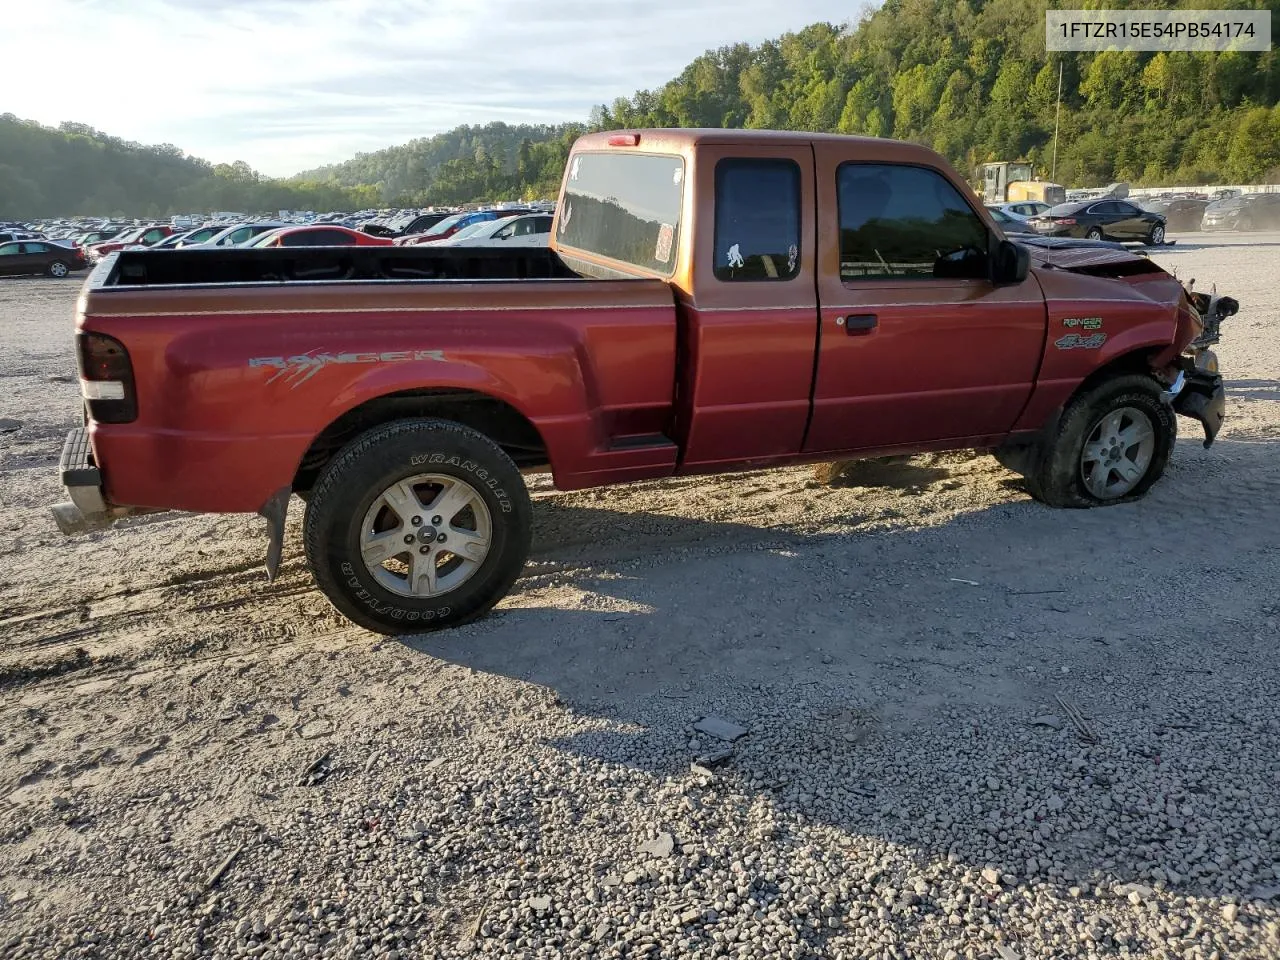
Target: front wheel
[[58, 269], [1157, 235], [417, 525], [1111, 446]]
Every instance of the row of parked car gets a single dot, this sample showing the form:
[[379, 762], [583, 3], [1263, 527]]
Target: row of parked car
[[63, 247], [25, 251], [1145, 220]]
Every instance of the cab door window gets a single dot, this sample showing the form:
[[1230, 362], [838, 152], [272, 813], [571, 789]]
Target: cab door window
[[900, 222]]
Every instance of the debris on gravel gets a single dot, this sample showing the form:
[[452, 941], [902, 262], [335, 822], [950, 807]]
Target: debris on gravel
[[720, 729]]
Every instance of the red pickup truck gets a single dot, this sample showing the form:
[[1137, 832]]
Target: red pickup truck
[[713, 300]]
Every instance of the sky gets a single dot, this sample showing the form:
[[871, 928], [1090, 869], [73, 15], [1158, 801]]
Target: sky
[[288, 85]]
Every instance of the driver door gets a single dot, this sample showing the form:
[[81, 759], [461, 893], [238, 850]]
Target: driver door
[[12, 260], [915, 343], [1130, 225]]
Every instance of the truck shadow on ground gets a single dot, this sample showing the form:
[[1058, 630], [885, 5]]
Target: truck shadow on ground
[[905, 686], [1253, 389], [1206, 242], [899, 473]]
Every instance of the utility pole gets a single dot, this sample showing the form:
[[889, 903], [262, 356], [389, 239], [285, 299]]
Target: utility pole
[[1053, 173]]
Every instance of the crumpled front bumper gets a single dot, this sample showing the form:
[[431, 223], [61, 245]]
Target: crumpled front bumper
[[1202, 397]]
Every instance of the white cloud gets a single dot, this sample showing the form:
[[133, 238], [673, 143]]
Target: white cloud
[[291, 84]]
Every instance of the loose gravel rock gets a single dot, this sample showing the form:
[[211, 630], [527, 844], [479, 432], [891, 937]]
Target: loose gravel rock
[[196, 763]]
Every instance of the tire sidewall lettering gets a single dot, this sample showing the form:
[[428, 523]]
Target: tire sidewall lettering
[[493, 484], [361, 593]]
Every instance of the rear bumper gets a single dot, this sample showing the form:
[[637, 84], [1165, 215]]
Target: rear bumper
[[87, 509]]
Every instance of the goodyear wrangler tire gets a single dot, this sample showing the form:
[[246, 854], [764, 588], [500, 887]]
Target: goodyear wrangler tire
[[1111, 445], [417, 525]]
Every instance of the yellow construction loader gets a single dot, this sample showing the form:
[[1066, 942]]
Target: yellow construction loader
[[1010, 181]]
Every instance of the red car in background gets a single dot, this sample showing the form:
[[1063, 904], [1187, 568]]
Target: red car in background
[[318, 236], [138, 236]]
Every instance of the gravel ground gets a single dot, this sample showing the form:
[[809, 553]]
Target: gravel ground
[[974, 727]]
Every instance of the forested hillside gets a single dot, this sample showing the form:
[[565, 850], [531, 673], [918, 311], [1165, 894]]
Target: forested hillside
[[970, 78], [77, 170], [973, 80], [466, 163]]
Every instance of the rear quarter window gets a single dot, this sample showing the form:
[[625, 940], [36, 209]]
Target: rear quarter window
[[624, 206], [757, 219]]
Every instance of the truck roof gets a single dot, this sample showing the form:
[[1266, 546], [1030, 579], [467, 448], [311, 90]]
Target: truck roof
[[682, 140]]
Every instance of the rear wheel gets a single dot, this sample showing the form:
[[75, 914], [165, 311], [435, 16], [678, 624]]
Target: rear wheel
[[417, 525], [1110, 446], [58, 269], [1095, 233]]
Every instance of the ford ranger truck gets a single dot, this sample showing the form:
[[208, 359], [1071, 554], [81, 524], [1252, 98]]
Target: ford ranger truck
[[712, 300]]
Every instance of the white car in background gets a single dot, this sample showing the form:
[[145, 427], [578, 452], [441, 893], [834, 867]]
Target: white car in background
[[529, 230], [1021, 209]]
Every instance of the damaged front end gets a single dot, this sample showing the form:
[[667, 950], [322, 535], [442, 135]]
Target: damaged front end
[[1200, 395], [1197, 390]]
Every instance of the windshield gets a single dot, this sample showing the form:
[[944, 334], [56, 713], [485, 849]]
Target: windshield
[[624, 206], [1066, 209]]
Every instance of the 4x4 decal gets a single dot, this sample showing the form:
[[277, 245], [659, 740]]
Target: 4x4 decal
[[1074, 341]]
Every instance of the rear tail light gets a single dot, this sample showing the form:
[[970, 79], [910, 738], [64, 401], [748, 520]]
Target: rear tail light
[[1066, 221], [106, 378]]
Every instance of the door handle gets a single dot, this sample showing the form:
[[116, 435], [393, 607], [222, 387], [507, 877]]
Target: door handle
[[857, 323]]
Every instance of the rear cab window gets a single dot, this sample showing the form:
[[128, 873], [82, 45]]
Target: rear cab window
[[625, 207], [900, 222]]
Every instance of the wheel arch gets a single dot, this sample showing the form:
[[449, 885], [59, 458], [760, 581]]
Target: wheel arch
[[1139, 359], [497, 419]]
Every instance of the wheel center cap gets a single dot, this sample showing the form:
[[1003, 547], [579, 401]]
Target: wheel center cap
[[426, 533]]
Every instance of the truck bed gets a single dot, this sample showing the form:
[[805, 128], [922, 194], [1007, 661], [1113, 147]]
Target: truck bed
[[189, 267]]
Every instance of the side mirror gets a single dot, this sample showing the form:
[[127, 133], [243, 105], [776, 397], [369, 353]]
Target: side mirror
[[1011, 263]]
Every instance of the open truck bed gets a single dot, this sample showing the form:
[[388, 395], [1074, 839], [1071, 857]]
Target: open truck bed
[[184, 267]]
